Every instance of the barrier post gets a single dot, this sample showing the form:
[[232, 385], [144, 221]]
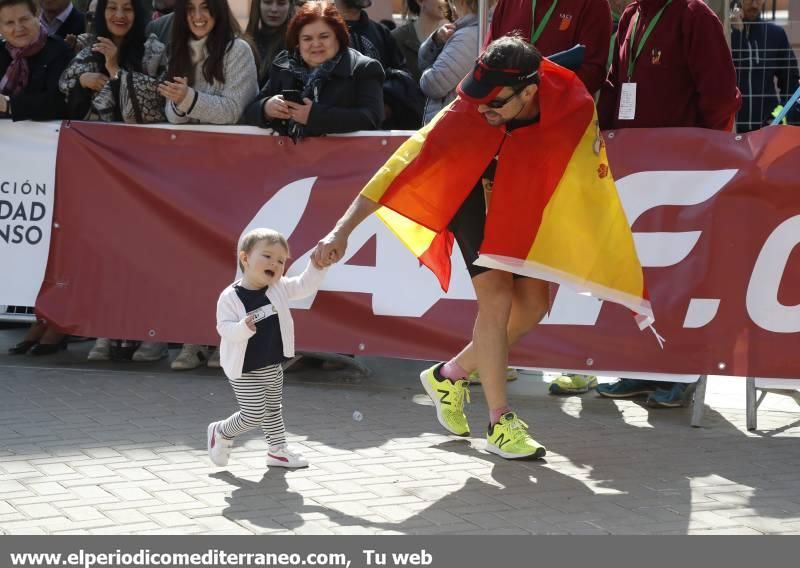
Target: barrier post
[[483, 22]]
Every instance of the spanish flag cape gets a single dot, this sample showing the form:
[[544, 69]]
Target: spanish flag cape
[[554, 212]]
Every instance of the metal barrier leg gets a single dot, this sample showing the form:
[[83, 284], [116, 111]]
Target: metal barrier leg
[[699, 406], [752, 404]]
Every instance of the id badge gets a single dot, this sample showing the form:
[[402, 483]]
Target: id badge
[[627, 102]]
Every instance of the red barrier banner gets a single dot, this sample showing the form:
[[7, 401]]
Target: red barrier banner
[[147, 221]]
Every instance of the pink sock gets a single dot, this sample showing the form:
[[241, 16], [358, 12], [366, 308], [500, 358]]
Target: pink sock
[[452, 371], [496, 413]]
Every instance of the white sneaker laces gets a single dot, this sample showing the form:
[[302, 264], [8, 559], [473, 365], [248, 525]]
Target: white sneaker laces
[[518, 429]]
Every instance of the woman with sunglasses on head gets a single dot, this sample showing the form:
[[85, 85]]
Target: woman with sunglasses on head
[[446, 56], [212, 71], [267, 26], [115, 77]]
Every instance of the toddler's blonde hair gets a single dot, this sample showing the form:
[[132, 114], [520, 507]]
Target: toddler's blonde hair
[[255, 236]]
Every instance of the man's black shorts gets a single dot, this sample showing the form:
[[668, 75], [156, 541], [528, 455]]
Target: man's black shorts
[[467, 227]]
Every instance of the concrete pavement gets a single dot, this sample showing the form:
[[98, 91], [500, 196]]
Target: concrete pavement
[[120, 448]]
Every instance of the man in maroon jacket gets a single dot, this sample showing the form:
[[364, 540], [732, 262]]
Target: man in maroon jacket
[[671, 67], [558, 25]]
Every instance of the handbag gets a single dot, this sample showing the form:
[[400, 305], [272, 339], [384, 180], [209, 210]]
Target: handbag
[[139, 100]]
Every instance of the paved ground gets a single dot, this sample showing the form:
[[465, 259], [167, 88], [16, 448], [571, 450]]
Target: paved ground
[[121, 449]]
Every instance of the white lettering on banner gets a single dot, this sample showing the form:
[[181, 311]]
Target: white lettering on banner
[[762, 293], [639, 193], [400, 286], [700, 312], [282, 212], [27, 176]]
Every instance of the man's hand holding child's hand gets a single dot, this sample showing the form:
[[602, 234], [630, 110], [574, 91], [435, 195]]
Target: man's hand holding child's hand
[[316, 264]]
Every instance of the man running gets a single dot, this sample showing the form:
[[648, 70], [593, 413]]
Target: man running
[[482, 173]]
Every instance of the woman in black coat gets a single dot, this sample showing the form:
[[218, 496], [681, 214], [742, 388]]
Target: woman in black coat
[[335, 89], [30, 65]]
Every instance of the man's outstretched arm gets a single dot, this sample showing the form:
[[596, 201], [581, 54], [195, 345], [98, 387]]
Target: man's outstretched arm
[[332, 247]]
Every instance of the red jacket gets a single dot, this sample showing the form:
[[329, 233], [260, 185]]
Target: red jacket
[[684, 75], [573, 22]]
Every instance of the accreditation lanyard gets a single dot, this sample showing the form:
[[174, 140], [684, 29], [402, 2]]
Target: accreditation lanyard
[[536, 31], [634, 55]]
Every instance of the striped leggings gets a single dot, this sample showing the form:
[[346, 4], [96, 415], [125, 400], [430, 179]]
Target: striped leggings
[[260, 395]]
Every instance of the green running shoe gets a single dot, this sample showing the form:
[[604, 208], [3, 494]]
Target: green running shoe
[[511, 375], [509, 439], [448, 398], [573, 384]]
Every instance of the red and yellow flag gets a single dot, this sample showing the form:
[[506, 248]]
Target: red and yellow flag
[[554, 214]]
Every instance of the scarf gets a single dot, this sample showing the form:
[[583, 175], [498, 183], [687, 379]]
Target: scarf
[[16, 78], [199, 53], [312, 80]]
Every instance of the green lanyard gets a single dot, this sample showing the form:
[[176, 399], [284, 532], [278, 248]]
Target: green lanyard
[[634, 55], [536, 31]]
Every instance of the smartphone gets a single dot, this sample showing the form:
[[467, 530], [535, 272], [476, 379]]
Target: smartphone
[[292, 95]]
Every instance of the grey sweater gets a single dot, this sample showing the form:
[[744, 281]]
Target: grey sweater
[[220, 103], [443, 67]]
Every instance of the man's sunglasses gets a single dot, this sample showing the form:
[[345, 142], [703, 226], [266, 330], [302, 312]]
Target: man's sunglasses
[[500, 103]]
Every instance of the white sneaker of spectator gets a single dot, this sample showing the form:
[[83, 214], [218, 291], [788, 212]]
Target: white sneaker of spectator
[[219, 448], [213, 361], [190, 357], [101, 350], [150, 351], [282, 456]]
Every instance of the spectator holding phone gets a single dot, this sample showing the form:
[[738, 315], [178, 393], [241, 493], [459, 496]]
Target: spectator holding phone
[[319, 85]]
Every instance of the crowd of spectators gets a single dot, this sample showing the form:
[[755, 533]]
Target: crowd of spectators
[[313, 68]]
